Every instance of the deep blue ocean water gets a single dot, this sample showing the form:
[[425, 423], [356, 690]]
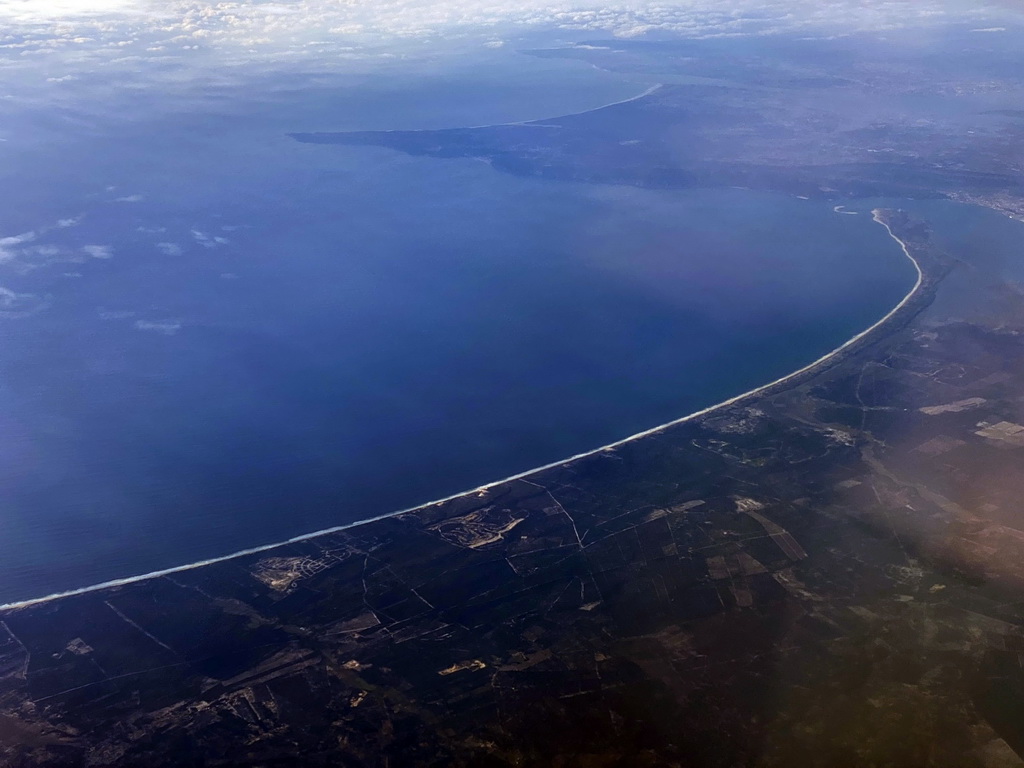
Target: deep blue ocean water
[[235, 338]]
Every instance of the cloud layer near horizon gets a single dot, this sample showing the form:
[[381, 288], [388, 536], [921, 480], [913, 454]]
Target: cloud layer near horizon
[[309, 23]]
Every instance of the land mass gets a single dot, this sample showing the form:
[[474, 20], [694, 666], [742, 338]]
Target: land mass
[[782, 120]]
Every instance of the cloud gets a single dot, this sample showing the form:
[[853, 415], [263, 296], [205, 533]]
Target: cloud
[[98, 251], [8, 245], [326, 31], [208, 241], [25, 237], [130, 199], [27, 11], [169, 249], [165, 327], [9, 299], [14, 304], [46, 251], [70, 222]]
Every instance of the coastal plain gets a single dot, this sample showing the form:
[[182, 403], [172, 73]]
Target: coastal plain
[[827, 572]]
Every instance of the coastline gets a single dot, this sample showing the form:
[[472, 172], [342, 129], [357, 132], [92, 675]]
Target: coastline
[[782, 382], [538, 122]]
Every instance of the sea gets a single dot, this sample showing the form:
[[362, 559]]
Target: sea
[[215, 337]]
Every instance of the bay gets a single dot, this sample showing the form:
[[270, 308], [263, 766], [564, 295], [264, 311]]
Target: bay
[[217, 338]]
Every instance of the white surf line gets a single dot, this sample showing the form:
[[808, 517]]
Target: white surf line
[[654, 88], [537, 122], [519, 476]]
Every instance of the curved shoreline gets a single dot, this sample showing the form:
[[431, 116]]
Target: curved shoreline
[[784, 380], [537, 122]]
